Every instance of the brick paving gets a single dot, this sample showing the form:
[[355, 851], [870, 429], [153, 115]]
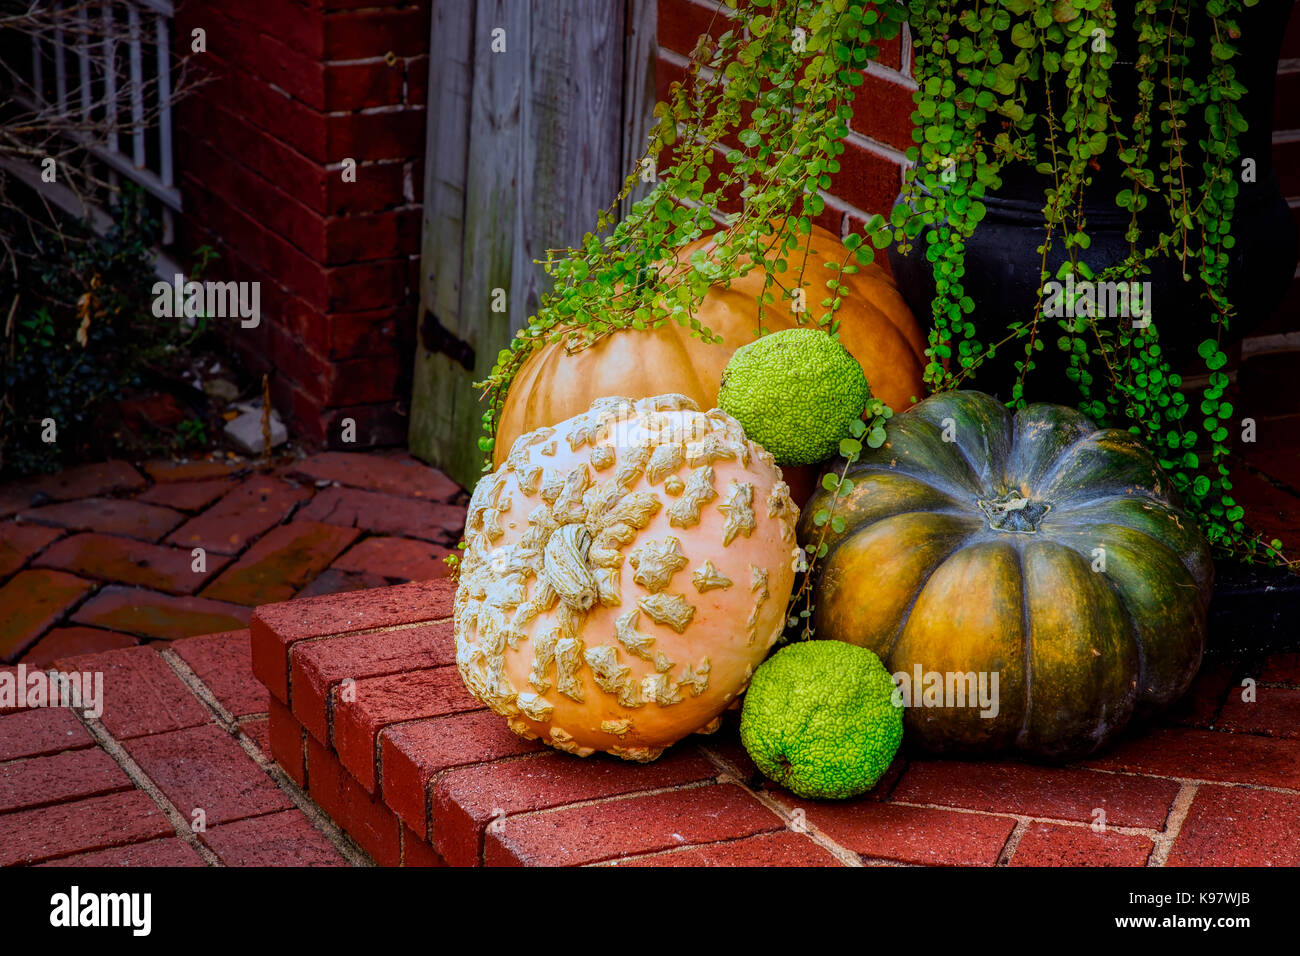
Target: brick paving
[[98, 573], [176, 771], [332, 728], [101, 556]]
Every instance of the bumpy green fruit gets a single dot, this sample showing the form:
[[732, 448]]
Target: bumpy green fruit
[[794, 392], [820, 719]]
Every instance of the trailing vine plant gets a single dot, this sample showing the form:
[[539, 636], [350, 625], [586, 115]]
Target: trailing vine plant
[[870, 432], [981, 69], [744, 148]]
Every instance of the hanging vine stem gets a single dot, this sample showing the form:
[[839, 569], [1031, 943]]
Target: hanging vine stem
[[870, 431]]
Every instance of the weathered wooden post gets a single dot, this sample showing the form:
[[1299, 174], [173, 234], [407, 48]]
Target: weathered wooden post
[[537, 112]]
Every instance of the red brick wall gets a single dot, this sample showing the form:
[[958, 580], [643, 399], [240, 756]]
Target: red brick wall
[[293, 87]]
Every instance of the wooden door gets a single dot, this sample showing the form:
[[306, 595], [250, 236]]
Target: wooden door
[[538, 109]]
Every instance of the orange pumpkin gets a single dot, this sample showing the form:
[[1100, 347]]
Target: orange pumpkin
[[555, 384]]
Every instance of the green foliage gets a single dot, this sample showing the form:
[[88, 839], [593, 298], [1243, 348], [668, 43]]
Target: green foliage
[[82, 332], [192, 432]]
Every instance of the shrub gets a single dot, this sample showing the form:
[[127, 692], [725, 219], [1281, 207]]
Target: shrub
[[80, 330]]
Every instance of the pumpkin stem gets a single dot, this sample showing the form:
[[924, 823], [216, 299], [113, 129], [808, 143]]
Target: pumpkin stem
[[1013, 513]]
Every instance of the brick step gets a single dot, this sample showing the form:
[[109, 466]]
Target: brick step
[[369, 716]]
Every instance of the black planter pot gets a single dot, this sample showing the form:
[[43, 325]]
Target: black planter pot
[[1003, 262], [1255, 609]]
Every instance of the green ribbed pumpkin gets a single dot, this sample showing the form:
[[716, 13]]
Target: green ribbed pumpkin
[[1034, 545]]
